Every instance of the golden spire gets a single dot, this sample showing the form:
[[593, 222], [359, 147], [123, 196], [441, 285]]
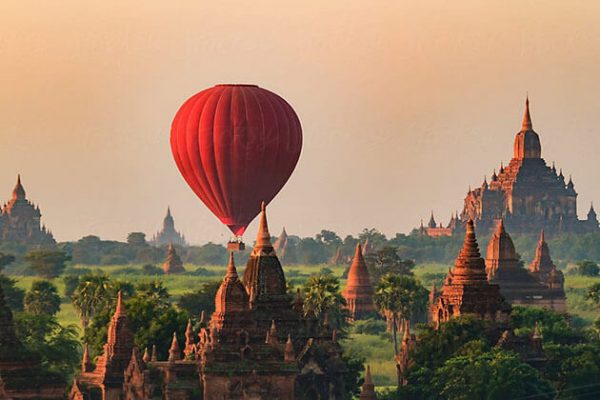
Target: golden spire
[[526, 126]]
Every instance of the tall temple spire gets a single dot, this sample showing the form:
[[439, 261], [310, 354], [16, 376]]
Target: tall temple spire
[[18, 191], [119, 311], [470, 267], [527, 142], [542, 263], [174, 351], [263, 237], [231, 271], [526, 125]]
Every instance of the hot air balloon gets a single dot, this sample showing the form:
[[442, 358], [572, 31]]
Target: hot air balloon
[[236, 146]]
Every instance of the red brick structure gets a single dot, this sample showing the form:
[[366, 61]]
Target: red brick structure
[[105, 381], [20, 220], [527, 194], [466, 289], [257, 345], [172, 264], [359, 291], [21, 372], [281, 245], [518, 285]]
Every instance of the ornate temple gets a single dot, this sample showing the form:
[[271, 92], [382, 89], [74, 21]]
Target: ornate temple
[[257, 345], [466, 289], [20, 220], [172, 264], [21, 372], [168, 234], [359, 291], [527, 194], [543, 286]]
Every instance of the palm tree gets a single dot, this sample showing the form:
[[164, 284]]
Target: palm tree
[[92, 293], [322, 298], [396, 296]]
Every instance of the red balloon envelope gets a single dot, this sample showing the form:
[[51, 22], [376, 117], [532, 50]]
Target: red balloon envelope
[[236, 146]]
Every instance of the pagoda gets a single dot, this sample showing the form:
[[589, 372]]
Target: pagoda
[[105, 381], [281, 245], [527, 194], [172, 264], [367, 391], [518, 285], [544, 270], [259, 344], [20, 220], [466, 289], [359, 291], [168, 234]]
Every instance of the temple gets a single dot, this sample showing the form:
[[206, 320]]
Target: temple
[[258, 345], [527, 194], [20, 221], [172, 264], [359, 291], [21, 372], [168, 234], [519, 286], [281, 245], [466, 289]]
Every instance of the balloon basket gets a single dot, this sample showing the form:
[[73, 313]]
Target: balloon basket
[[236, 246]]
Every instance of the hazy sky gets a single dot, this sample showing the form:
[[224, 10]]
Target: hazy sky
[[404, 104]]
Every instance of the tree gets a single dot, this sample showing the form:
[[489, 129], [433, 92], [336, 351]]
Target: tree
[[587, 268], [47, 263], [149, 269], [329, 238], [92, 293], [375, 238], [71, 282], [137, 239], [5, 259], [322, 299], [13, 295], [42, 299], [496, 374], [396, 297], [154, 291], [201, 300], [386, 260], [593, 293], [57, 346]]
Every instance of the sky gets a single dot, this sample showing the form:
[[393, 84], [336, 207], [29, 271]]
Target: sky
[[403, 104]]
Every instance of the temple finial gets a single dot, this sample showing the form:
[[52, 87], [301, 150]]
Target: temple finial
[[526, 126], [263, 238], [119, 310], [231, 271]]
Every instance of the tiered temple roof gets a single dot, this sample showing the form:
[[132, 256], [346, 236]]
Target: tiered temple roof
[[466, 289], [359, 291]]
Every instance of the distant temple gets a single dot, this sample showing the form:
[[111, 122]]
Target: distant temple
[[543, 286], [20, 220], [527, 194], [257, 345], [466, 289], [281, 245], [21, 372], [359, 291], [168, 234], [172, 264]]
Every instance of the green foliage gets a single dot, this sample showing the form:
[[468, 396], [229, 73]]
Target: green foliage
[[496, 374], [47, 263], [369, 326], [322, 298], [92, 294], [387, 261], [12, 294], [70, 282], [5, 259], [555, 327], [42, 299], [208, 254], [575, 369], [57, 346], [137, 239], [201, 300], [587, 268], [149, 269]]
